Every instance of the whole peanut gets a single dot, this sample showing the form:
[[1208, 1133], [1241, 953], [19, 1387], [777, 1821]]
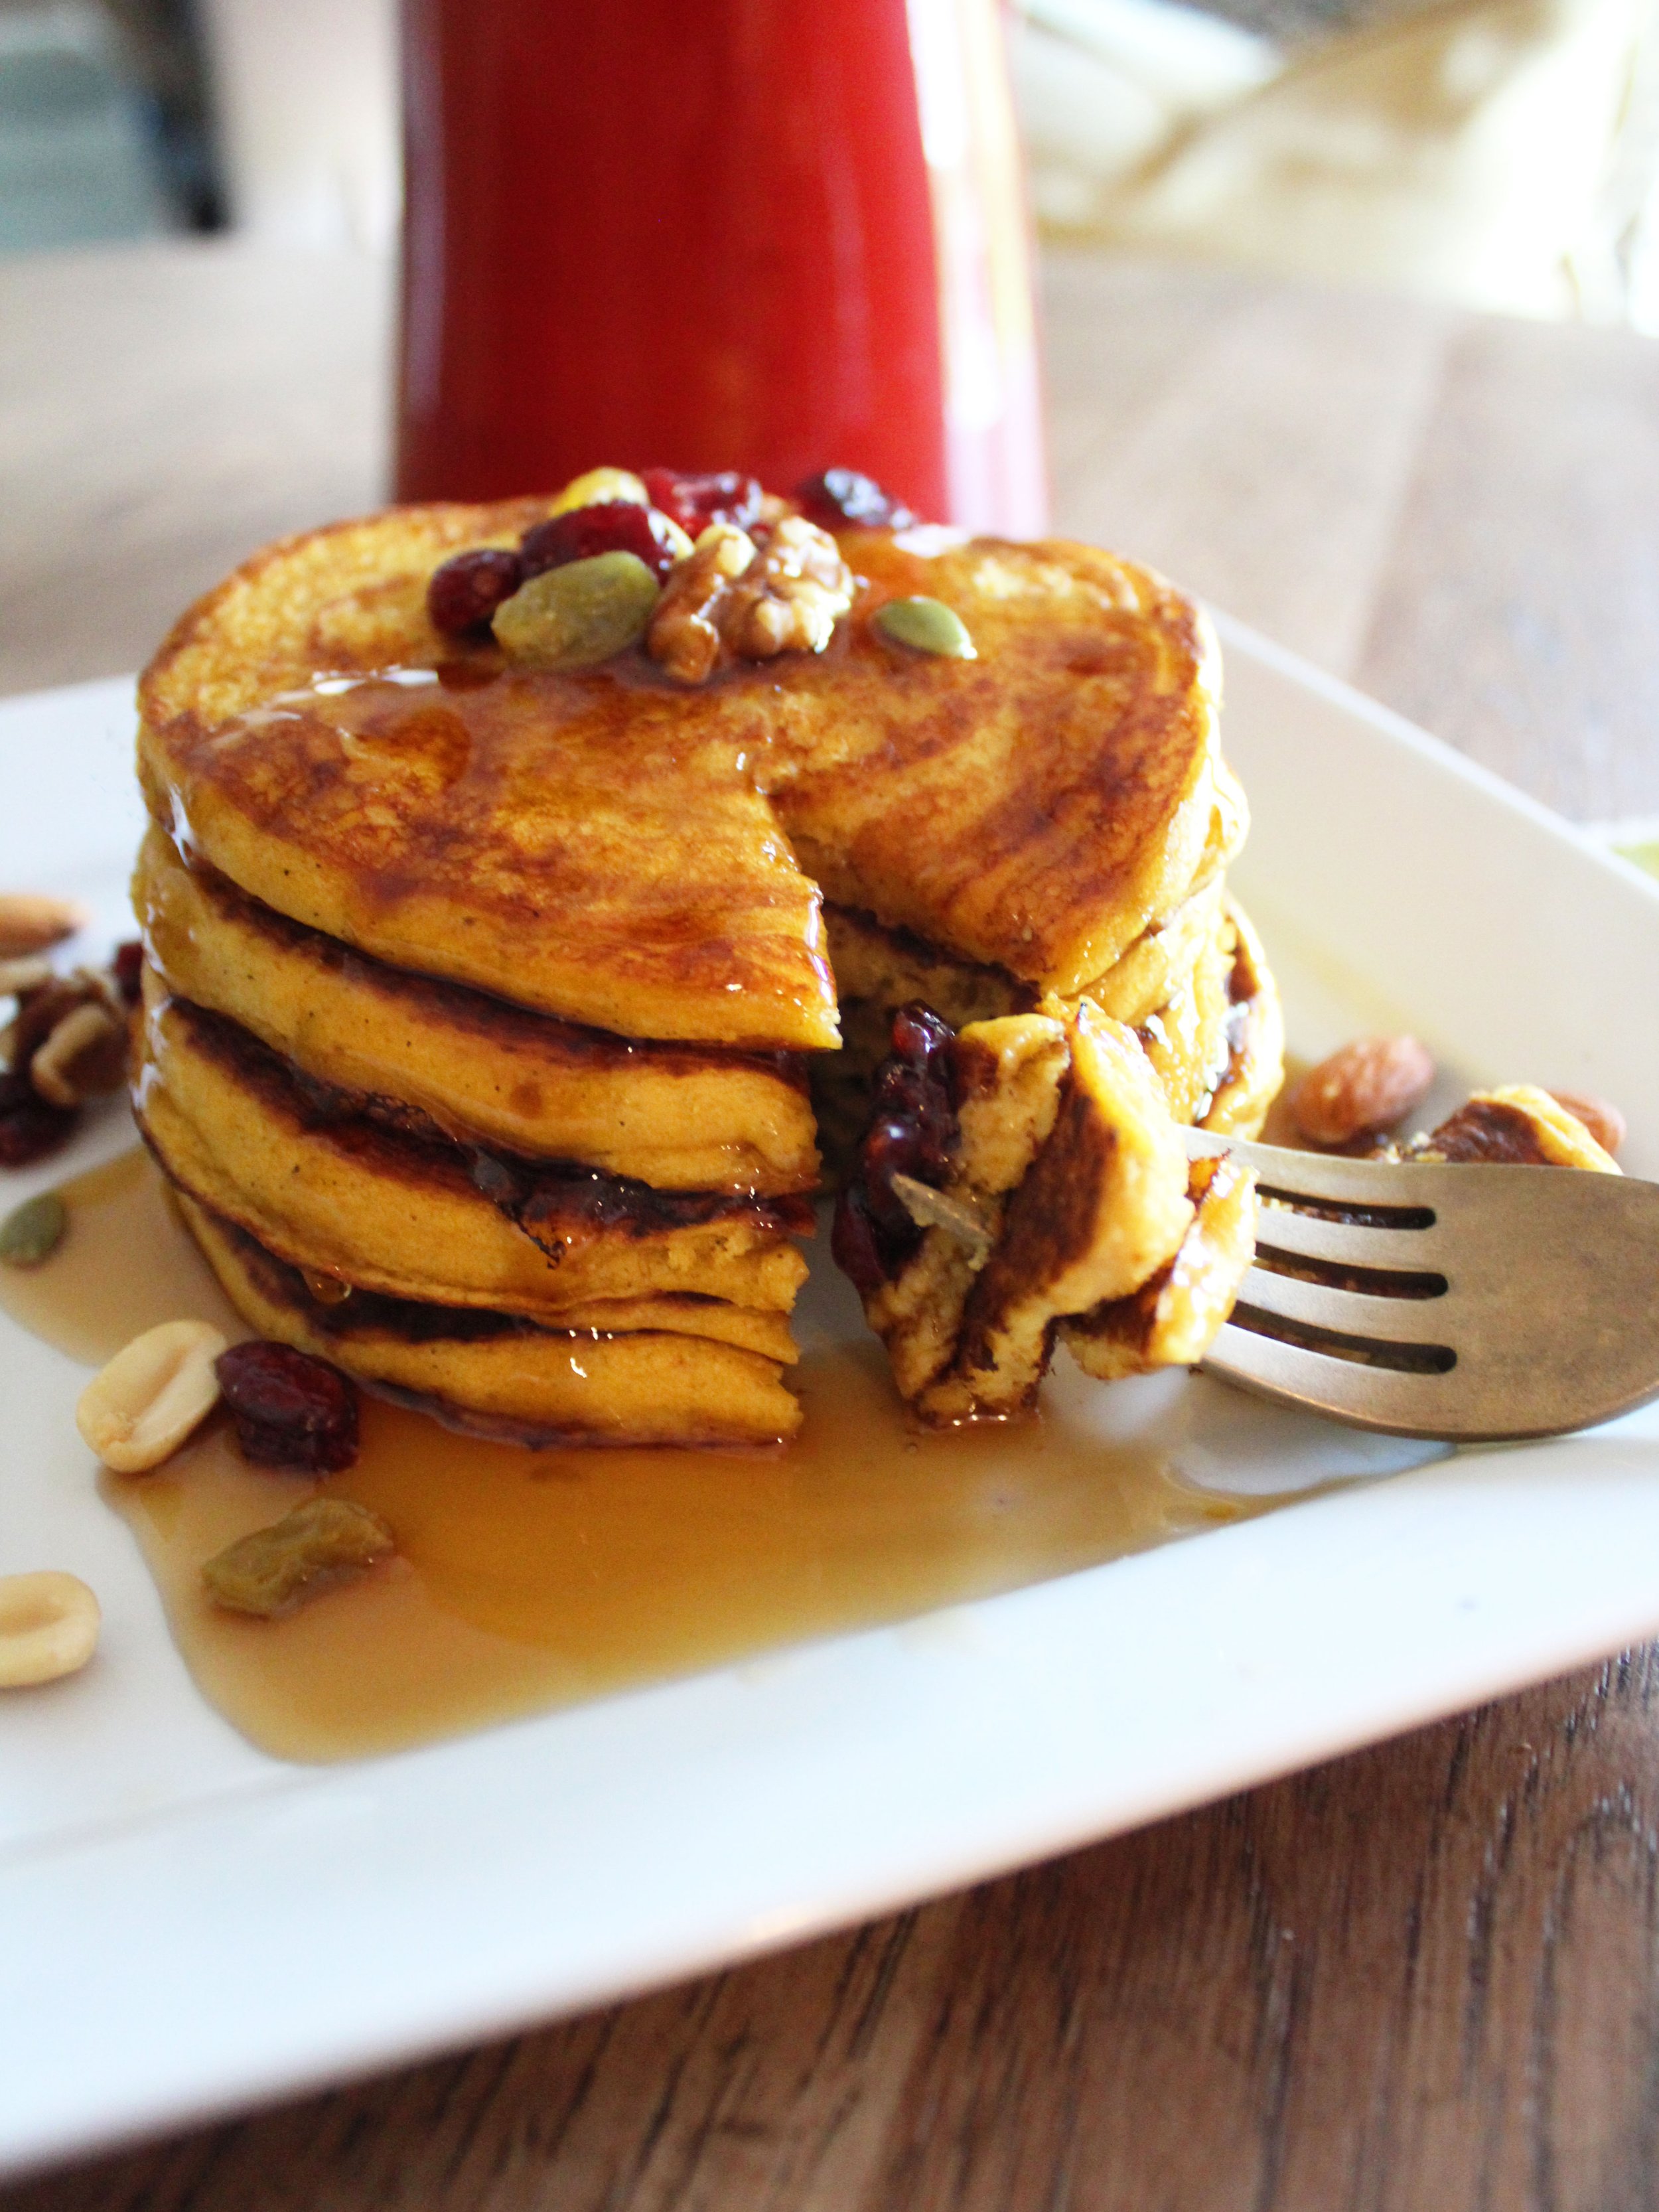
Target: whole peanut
[[137, 1412], [48, 1628]]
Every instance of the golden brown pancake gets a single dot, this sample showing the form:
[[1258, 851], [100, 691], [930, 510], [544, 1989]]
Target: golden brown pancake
[[669, 1116], [328, 1188], [475, 991], [503, 1375], [604, 846]]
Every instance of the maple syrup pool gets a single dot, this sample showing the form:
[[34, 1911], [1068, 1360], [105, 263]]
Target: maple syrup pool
[[526, 1580]]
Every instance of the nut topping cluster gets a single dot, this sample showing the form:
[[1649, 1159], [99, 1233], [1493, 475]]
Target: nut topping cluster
[[66, 1043], [734, 597], [699, 570]]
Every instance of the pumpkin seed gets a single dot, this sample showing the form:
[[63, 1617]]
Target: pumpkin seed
[[579, 615], [926, 626], [34, 1230]]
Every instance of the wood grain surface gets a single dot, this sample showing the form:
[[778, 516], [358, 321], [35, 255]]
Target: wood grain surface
[[1422, 1978]]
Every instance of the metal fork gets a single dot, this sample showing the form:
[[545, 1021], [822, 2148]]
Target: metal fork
[[1468, 1302]]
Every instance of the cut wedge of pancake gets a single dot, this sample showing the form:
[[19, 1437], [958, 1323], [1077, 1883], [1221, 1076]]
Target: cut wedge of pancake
[[330, 1189], [506, 1376], [1197, 991], [1065, 1192], [1172, 1319], [1034, 808], [671, 1116], [603, 846]]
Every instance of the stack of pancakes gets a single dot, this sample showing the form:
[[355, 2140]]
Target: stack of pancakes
[[480, 1001]]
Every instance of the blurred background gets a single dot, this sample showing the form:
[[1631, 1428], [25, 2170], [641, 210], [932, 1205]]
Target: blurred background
[[1495, 154]]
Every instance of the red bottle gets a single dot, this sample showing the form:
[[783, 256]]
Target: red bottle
[[717, 234]]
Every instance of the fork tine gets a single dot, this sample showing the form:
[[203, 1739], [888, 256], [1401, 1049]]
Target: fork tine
[[1327, 1176], [1347, 1243], [1388, 1321], [1368, 1397]]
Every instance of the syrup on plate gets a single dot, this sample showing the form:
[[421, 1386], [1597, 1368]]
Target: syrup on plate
[[527, 1580]]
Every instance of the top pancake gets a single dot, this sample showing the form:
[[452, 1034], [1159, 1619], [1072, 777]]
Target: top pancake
[[606, 846]]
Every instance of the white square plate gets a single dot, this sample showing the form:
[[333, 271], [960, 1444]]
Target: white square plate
[[186, 1925]]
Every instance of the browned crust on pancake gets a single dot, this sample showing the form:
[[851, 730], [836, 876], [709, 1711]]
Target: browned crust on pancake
[[1036, 808], [1255, 1037], [678, 1117], [517, 1382], [554, 1204], [1173, 1318], [610, 857], [375, 1208], [415, 1320], [484, 1013], [598, 852], [1050, 1226]]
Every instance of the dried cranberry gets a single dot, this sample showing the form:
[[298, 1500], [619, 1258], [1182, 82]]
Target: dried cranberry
[[127, 966], [921, 1036], [891, 1147], [291, 1410], [467, 591], [695, 501], [29, 1127], [912, 1132], [842, 499], [613, 525], [853, 1243]]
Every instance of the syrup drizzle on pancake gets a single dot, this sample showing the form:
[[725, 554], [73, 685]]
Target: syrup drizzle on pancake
[[531, 1580]]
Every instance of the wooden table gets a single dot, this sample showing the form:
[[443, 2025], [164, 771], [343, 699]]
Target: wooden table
[[1425, 1976]]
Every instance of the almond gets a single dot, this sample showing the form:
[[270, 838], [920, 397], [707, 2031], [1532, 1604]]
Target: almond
[[30, 922], [1367, 1086], [1599, 1116]]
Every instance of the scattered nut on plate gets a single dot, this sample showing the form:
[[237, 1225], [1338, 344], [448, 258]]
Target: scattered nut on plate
[[297, 1557], [30, 922], [1599, 1116], [84, 1056], [1364, 1088], [49, 1626], [28, 974], [138, 1411]]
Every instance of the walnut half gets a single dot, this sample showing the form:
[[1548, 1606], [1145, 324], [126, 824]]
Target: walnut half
[[729, 598]]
